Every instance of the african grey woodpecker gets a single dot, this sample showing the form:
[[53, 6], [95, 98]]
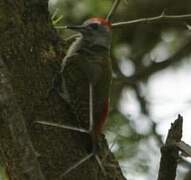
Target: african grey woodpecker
[[86, 63]]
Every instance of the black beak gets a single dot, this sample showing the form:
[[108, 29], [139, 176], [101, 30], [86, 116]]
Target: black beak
[[79, 28]]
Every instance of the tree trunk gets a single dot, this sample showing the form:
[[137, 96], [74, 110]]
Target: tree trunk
[[30, 47]]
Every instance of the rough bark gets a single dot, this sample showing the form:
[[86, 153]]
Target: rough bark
[[30, 48], [18, 152]]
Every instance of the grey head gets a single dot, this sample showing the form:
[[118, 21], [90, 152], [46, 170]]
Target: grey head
[[95, 31]]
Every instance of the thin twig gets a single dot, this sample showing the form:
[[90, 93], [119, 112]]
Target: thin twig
[[100, 164], [58, 19], [113, 9], [153, 19], [72, 37], [60, 27], [54, 14], [77, 165], [150, 20]]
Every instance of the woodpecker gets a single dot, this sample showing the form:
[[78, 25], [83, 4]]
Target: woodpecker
[[85, 77], [88, 63]]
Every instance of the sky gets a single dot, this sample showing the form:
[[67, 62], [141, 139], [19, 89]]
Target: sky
[[168, 94]]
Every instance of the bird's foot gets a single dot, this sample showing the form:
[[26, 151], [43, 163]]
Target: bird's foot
[[45, 123], [94, 147]]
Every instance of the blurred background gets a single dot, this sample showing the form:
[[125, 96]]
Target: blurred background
[[151, 78]]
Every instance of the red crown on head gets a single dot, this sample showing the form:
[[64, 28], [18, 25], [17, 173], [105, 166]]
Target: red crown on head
[[101, 20]]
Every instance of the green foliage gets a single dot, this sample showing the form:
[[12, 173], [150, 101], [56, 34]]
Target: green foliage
[[124, 135]]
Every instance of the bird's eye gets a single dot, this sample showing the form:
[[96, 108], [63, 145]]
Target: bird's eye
[[94, 26]]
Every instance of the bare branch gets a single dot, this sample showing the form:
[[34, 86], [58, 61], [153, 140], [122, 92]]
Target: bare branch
[[15, 144], [113, 9], [169, 151], [185, 148], [60, 27], [155, 19]]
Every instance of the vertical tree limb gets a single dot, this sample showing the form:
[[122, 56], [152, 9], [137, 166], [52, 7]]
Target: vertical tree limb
[[15, 144], [169, 152]]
